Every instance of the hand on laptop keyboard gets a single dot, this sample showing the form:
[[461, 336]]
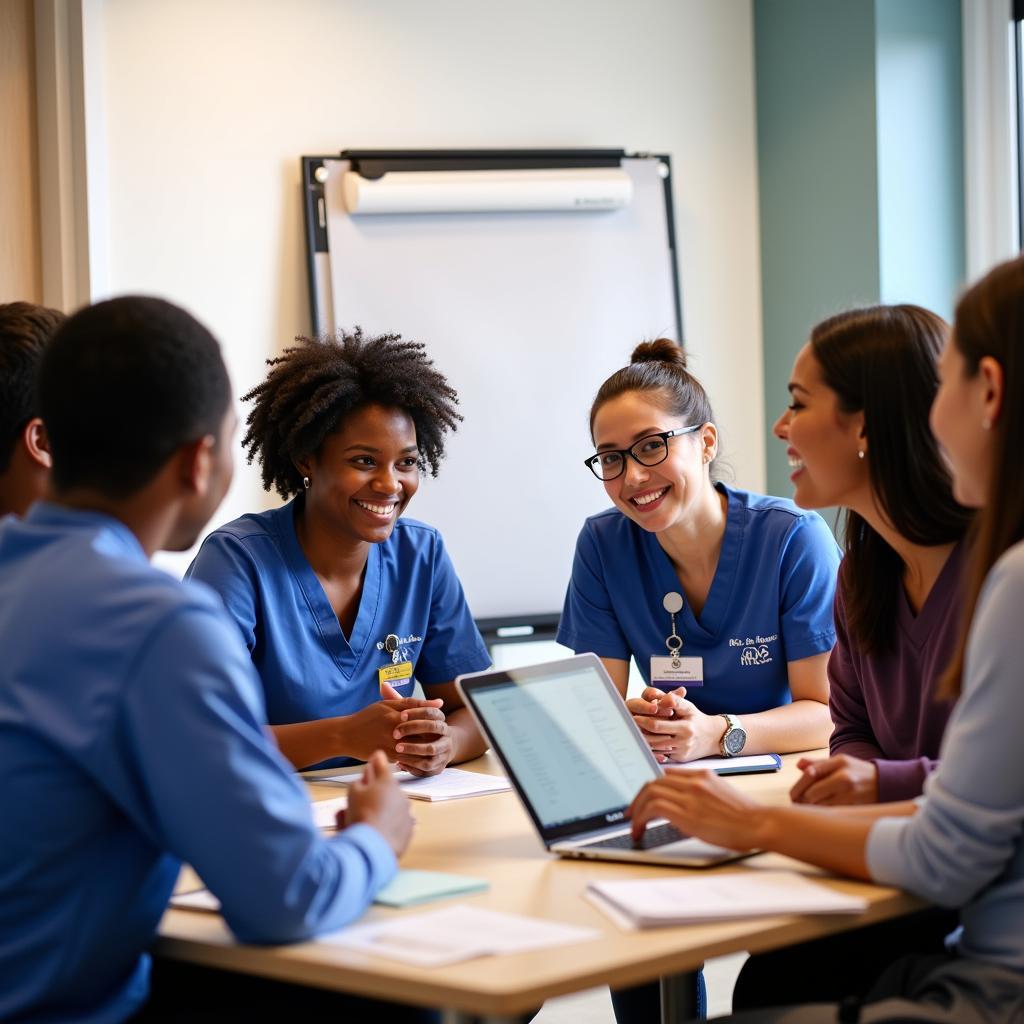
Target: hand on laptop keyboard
[[656, 835]]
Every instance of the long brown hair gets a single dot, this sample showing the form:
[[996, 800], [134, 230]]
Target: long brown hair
[[990, 322], [881, 361]]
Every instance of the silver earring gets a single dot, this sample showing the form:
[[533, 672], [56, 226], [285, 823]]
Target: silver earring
[[861, 454], [986, 424], [305, 482]]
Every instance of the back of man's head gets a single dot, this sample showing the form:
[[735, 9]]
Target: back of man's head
[[25, 331], [122, 386]]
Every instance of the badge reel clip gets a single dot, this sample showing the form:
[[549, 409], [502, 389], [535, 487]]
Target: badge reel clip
[[398, 672], [672, 671]]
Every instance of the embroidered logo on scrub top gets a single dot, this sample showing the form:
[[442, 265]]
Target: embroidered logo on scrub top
[[398, 647], [754, 649]]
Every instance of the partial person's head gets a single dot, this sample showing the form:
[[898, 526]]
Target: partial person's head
[[978, 419], [657, 412], [857, 430], [857, 436], [25, 331], [350, 422], [135, 394]]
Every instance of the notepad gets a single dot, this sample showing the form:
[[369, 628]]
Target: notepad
[[409, 888], [653, 902], [454, 934], [742, 765], [200, 899], [325, 812], [406, 889], [451, 784]]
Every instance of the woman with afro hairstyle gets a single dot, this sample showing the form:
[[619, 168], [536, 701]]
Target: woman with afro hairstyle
[[341, 603]]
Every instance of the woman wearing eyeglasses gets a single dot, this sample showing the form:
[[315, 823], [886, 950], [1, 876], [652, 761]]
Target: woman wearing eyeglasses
[[723, 597]]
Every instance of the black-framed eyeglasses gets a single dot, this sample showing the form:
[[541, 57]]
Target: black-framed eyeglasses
[[648, 451]]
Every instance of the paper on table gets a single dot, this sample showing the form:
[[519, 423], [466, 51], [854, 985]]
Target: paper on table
[[325, 812], [451, 784], [201, 899], [455, 934], [734, 765], [720, 897], [406, 889], [410, 887]]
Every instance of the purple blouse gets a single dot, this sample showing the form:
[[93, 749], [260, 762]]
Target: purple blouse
[[883, 706]]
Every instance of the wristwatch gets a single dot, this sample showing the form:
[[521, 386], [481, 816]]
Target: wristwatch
[[734, 739]]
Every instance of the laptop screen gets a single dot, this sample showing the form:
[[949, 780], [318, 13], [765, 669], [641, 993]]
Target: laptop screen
[[567, 740]]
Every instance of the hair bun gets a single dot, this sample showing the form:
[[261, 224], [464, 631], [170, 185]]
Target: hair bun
[[662, 350]]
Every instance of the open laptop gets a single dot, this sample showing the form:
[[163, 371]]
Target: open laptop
[[577, 760]]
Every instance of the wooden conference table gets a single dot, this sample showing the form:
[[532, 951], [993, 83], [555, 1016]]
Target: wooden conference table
[[491, 837]]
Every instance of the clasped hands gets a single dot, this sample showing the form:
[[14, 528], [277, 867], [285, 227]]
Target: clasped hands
[[411, 732], [674, 728]]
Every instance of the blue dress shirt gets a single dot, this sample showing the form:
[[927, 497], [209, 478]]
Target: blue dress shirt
[[132, 739]]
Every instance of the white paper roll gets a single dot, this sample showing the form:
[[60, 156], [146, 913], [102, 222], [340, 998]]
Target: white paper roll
[[487, 191]]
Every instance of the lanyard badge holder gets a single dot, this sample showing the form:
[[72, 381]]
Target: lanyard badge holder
[[399, 671], [672, 671]]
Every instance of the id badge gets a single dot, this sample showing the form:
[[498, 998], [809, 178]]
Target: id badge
[[396, 675], [669, 672]]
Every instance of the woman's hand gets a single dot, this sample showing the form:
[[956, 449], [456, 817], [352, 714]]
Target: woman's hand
[[674, 728], [424, 742], [836, 780], [375, 727], [700, 804]]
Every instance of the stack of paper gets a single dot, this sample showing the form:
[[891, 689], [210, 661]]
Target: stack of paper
[[454, 934], [450, 784], [647, 903]]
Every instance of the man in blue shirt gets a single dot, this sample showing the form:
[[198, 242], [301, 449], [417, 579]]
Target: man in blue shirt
[[132, 728]]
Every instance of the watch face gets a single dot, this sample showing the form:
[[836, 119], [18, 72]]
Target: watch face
[[735, 740]]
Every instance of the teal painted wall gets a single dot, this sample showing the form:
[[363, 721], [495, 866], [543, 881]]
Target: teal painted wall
[[817, 157], [920, 152], [860, 150]]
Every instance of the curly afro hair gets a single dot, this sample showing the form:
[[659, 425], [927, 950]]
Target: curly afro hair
[[314, 385]]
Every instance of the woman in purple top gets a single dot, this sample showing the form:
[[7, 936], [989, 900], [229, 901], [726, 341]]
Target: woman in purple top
[[868, 449]]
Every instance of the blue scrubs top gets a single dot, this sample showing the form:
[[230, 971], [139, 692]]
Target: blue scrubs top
[[309, 669], [132, 737], [770, 601]]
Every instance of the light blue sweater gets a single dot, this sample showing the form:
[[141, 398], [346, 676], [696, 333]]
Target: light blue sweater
[[965, 846]]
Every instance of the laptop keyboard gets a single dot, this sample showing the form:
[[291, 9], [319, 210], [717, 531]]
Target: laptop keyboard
[[657, 835]]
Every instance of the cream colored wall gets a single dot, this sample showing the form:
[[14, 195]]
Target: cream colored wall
[[20, 266], [205, 106]]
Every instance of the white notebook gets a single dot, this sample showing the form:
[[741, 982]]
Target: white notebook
[[451, 784], [325, 812], [649, 903]]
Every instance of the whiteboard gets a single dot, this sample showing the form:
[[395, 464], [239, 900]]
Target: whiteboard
[[526, 314]]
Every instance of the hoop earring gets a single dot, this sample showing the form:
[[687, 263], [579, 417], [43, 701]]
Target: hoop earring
[[305, 482]]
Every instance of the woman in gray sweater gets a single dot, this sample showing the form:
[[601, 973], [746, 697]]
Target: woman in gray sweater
[[962, 843]]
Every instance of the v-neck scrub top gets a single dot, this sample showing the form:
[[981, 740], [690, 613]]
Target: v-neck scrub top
[[308, 668], [770, 601]]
